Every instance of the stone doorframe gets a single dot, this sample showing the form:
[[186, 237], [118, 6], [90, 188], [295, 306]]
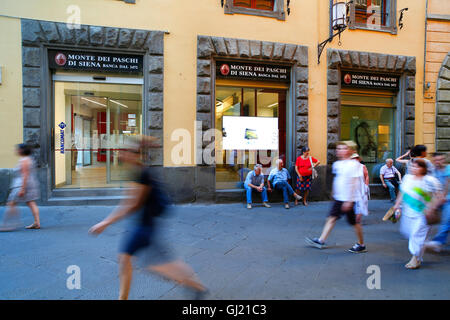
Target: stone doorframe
[[443, 107], [209, 48], [39, 36], [367, 61]]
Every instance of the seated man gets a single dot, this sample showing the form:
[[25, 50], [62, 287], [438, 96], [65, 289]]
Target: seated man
[[280, 177], [255, 182], [387, 176]]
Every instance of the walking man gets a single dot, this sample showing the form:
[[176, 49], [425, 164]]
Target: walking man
[[255, 182], [345, 193], [387, 176]]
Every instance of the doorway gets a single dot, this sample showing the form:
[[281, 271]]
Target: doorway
[[91, 123]]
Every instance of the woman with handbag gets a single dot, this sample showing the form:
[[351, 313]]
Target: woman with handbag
[[306, 172], [418, 198]]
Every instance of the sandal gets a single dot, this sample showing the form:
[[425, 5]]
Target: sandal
[[33, 226]]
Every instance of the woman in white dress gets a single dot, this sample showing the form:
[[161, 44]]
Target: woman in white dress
[[419, 193], [362, 206]]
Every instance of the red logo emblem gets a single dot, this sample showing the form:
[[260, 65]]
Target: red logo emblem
[[60, 59], [348, 79], [225, 69]]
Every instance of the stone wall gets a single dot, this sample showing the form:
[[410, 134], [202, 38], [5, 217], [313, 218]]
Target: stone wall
[[443, 107]]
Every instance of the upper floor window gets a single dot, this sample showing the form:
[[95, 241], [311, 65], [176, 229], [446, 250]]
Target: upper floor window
[[255, 4], [265, 8], [374, 15]]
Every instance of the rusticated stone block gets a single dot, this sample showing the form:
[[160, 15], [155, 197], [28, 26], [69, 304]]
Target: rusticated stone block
[[155, 101], [289, 51], [302, 90], [411, 64], [400, 64], [410, 113], [155, 43], [82, 35], [31, 117], [278, 50], [219, 45], [67, 35], [332, 76], [267, 49], [204, 85], [111, 37], [205, 47], [31, 97], [302, 123], [410, 98], [31, 77], [354, 55], [410, 126], [204, 103], [156, 64], [203, 68], [255, 49], [50, 31], [333, 92], [410, 83], [364, 59], [31, 32], [155, 120], [96, 35], [302, 139], [334, 59], [31, 57], [373, 60], [333, 125], [302, 107], [244, 48], [301, 56], [392, 60], [156, 82], [333, 108], [232, 46], [139, 38], [125, 37], [301, 74], [345, 58], [382, 61]]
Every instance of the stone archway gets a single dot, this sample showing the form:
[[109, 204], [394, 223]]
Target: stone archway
[[443, 107]]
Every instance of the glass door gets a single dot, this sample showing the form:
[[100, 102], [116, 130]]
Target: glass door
[[91, 123]]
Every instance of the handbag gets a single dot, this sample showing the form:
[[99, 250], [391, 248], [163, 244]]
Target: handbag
[[314, 174]]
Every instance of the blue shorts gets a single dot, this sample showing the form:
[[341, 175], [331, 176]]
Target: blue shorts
[[143, 240]]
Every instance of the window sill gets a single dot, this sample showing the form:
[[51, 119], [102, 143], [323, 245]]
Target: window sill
[[378, 29]]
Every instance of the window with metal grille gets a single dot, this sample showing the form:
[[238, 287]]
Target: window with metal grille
[[255, 4], [264, 8]]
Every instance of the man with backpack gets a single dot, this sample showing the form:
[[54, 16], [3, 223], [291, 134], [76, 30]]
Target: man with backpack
[[148, 200]]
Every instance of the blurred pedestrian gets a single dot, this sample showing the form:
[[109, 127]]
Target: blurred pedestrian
[[148, 201], [279, 177], [304, 166], [442, 173], [418, 194], [362, 204], [346, 186], [417, 152], [255, 182], [24, 188], [388, 175]]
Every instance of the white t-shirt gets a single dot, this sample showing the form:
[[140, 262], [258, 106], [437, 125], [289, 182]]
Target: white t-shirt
[[418, 193], [347, 179]]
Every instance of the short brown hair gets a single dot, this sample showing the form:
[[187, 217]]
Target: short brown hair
[[421, 164]]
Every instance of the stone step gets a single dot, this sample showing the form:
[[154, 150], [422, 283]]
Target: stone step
[[85, 201], [104, 192]]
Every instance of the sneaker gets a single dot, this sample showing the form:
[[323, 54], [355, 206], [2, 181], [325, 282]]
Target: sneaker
[[315, 243], [433, 245], [357, 248], [265, 204], [286, 206], [297, 197], [249, 206]]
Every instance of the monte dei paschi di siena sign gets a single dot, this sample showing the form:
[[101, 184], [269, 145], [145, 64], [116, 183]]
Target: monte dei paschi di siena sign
[[94, 61]]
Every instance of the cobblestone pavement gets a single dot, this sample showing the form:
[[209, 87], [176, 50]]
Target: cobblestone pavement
[[238, 253]]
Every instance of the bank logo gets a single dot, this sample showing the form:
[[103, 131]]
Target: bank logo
[[60, 59], [348, 79], [225, 69], [62, 125]]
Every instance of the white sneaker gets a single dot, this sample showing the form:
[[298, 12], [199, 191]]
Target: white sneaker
[[433, 245], [249, 206], [265, 204], [297, 197], [287, 206]]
